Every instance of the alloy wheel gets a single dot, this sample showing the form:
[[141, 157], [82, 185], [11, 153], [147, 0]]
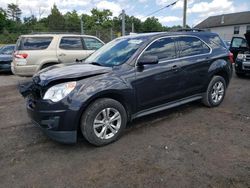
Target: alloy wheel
[[217, 92], [107, 123]]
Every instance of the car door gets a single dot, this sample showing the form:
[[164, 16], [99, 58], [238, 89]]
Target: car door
[[71, 48], [158, 84], [194, 57], [238, 44], [91, 44]]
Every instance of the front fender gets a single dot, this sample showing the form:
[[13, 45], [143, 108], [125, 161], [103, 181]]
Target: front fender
[[111, 87]]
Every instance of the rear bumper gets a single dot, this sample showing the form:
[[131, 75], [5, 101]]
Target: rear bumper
[[23, 70]]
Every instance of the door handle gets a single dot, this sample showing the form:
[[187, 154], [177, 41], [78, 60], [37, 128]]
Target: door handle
[[175, 67], [62, 54]]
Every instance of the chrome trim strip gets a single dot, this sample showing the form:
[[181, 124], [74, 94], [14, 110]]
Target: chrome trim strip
[[175, 36]]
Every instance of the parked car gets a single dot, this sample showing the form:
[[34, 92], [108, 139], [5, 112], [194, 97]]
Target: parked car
[[6, 52], [38, 51], [240, 48], [127, 78]]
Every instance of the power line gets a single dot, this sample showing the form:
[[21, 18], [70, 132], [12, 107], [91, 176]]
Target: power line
[[169, 5]]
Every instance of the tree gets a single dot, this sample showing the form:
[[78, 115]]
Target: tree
[[3, 19], [72, 21], [14, 12], [152, 24], [102, 18], [55, 20]]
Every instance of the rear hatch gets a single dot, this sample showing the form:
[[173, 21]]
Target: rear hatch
[[29, 49]]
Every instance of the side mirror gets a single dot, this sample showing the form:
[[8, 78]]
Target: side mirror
[[148, 60]]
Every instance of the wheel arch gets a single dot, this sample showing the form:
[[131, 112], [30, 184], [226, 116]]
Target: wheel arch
[[107, 94], [222, 68]]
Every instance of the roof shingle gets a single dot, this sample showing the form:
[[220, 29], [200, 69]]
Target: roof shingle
[[225, 20]]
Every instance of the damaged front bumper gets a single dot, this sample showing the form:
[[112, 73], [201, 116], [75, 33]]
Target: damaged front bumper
[[55, 119]]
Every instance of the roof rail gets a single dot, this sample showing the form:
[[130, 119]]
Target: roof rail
[[75, 33], [191, 30]]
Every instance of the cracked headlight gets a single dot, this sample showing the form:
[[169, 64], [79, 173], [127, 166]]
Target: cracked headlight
[[59, 91]]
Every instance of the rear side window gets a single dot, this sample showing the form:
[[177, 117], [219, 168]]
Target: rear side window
[[163, 48], [34, 43], [71, 43], [215, 41], [190, 46], [92, 43]]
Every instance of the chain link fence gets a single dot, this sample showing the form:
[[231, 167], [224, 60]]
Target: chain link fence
[[105, 35]]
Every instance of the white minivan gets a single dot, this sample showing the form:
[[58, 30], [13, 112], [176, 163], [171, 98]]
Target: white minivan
[[37, 51]]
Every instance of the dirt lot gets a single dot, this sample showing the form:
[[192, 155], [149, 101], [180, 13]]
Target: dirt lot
[[189, 146]]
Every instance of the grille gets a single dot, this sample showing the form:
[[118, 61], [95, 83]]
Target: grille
[[248, 57], [247, 67]]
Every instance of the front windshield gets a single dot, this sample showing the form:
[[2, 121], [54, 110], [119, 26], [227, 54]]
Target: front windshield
[[116, 52]]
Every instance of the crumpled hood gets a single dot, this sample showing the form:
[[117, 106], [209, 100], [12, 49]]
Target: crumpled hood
[[67, 72], [247, 36]]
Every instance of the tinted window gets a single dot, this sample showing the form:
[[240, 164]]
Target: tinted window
[[239, 42], [215, 41], [92, 43], [7, 50], [236, 30], [34, 43], [248, 29], [164, 49], [71, 43], [192, 46]]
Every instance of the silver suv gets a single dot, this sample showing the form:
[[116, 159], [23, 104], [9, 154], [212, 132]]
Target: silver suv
[[37, 51]]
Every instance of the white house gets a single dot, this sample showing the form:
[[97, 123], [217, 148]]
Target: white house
[[227, 25]]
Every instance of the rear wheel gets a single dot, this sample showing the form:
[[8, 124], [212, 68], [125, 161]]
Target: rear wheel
[[215, 93], [103, 121]]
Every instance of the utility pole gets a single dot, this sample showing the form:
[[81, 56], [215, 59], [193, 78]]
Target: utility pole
[[111, 33], [133, 27], [82, 32], [184, 13], [123, 22]]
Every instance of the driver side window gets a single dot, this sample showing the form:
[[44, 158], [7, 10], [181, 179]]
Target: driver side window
[[163, 48]]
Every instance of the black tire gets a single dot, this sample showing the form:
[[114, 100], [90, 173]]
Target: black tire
[[93, 111], [208, 99], [240, 75], [47, 65]]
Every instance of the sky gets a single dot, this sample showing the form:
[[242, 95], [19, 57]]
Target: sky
[[197, 10]]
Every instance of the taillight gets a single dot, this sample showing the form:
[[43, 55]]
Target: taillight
[[22, 56], [231, 57]]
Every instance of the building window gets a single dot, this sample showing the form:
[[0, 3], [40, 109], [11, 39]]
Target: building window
[[248, 28], [236, 29]]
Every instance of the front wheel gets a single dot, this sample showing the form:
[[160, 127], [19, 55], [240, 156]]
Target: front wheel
[[215, 93], [103, 121]]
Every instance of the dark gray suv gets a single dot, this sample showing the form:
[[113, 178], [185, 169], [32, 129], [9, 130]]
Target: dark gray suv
[[127, 78]]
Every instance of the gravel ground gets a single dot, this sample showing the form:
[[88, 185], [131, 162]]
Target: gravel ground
[[188, 146]]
